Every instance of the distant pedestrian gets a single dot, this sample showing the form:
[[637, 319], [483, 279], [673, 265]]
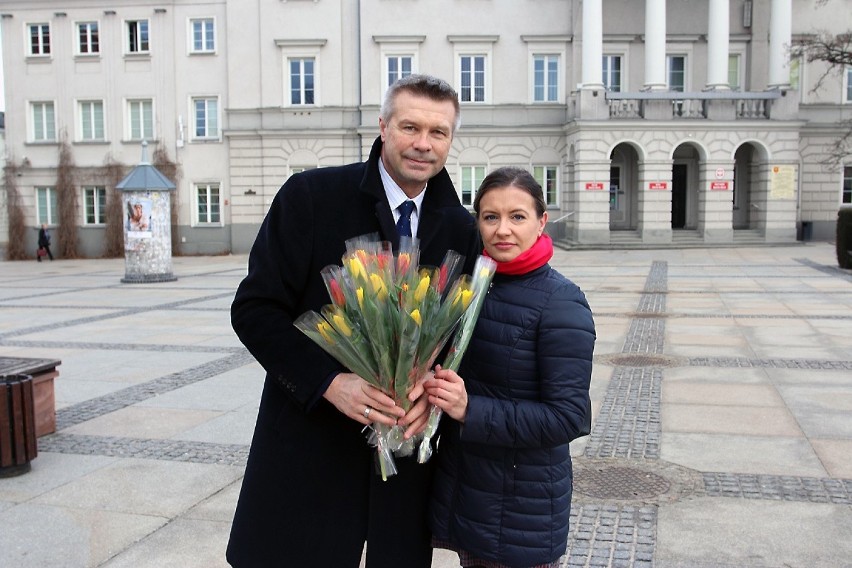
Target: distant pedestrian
[[43, 243]]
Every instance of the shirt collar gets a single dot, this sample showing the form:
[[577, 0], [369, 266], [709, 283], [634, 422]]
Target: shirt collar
[[395, 194]]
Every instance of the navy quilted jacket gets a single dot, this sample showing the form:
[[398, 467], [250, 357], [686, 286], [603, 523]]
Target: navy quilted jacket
[[503, 486]]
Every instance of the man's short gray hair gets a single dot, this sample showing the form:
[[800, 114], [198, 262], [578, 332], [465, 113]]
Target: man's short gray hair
[[423, 86]]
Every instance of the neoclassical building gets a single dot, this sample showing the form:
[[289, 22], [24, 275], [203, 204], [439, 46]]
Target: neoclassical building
[[648, 123]]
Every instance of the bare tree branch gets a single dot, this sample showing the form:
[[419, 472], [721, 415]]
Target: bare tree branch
[[836, 52]]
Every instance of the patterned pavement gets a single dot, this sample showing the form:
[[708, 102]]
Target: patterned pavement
[[722, 433]]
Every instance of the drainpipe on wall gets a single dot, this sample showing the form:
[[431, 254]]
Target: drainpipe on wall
[[360, 82]]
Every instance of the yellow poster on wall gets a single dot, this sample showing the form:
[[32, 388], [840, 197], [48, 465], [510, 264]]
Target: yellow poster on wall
[[782, 182]]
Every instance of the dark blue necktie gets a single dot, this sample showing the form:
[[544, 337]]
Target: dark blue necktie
[[403, 226]]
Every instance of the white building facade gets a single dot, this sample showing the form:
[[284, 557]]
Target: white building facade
[[647, 123]]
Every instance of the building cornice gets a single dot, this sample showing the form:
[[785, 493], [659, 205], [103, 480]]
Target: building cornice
[[314, 42]]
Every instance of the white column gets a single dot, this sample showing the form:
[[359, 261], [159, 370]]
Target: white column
[[780, 38], [718, 31], [592, 44], [655, 45]]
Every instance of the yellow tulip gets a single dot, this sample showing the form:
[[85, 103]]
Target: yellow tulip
[[356, 267], [360, 294], [420, 292], [379, 286], [457, 296], [341, 325], [415, 315], [325, 330], [466, 297]]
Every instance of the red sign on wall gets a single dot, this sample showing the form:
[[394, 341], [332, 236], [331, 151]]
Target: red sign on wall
[[658, 185], [595, 185], [718, 185]]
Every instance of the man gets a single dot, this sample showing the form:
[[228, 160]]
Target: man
[[310, 496]]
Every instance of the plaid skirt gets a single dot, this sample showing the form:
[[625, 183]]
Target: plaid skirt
[[467, 559]]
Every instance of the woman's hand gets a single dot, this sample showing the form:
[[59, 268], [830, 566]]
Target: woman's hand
[[446, 391]]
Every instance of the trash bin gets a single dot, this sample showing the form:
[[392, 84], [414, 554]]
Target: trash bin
[[18, 445], [807, 231]]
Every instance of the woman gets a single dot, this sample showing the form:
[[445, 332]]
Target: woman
[[44, 243], [502, 493]]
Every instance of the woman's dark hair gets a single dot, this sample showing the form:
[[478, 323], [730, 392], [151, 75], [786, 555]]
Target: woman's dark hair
[[515, 177], [427, 86]]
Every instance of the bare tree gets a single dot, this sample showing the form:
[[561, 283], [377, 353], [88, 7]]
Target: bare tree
[[835, 51], [15, 250]]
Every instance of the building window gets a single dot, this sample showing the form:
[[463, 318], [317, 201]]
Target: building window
[[208, 200], [676, 72], [141, 119], [203, 35], [301, 80], [46, 210], [137, 36], [546, 177], [39, 39], [545, 78], [399, 67], [472, 79], [612, 73], [471, 177], [847, 185], [734, 72], [87, 38], [206, 117], [44, 122], [92, 120], [94, 203], [849, 85]]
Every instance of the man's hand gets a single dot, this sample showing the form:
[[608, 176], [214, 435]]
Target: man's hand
[[352, 396], [417, 416]]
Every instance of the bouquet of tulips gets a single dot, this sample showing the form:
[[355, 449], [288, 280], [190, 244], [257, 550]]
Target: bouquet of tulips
[[388, 320]]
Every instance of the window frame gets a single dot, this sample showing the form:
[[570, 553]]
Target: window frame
[[141, 45], [397, 46], [32, 119], [847, 87], [846, 186], [386, 71], [49, 216], [208, 186], [207, 137], [302, 59], [460, 57], [94, 195], [607, 71], [545, 169], [43, 33], [474, 46], [143, 135], [92, 40], [546, 86], [81, 120], [191, 40], [474, 180], [669, 58]]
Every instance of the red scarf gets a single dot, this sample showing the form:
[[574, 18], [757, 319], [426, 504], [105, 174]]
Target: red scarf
[[534, 257]]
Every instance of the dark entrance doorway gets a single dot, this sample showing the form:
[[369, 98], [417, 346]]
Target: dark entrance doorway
[[679, 182]]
